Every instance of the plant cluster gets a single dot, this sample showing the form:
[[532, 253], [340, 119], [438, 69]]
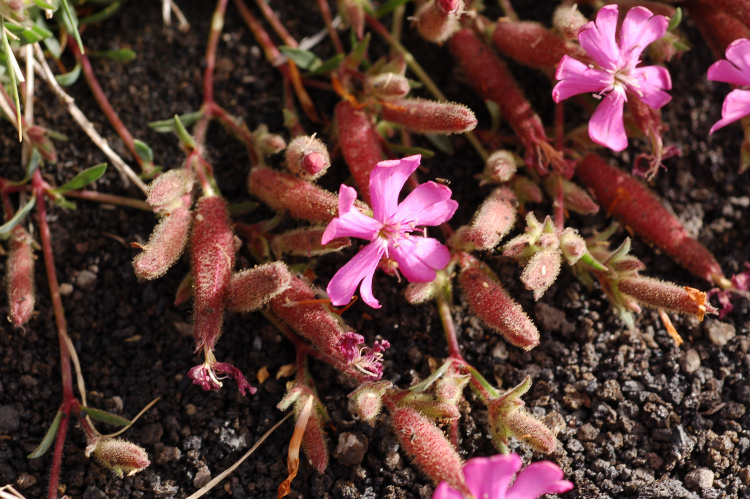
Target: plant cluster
[[595, 57]]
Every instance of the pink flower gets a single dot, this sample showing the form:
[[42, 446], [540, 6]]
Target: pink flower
[[735, 70], [390, 230], [616, 74], [489, 477], [366, 359], [209, 375]]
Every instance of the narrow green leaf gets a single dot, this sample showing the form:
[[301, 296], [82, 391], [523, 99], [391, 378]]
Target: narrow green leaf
[[70, 77], [34, 162], [426, 153], [46, 5], [304, 59], [62, 202], [7, 227], [424, 385], [675, 20], [28, 34], [144, 151], [49, 437], [73, 24], [9, 58], [441, 142], [182, 133], [119, 55], [105, 417], [329, 65], [102, 15], [86, 177], [357, 55], [592, 262], [389, 7], [167, 126]]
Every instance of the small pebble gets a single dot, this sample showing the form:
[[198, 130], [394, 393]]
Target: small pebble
[[690, 361], [25, 480], [202, 477], [86, 280], [699, 479], [719, 332], [351, 448]]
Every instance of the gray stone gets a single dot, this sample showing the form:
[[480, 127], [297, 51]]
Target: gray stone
[[351, 448], [699, 479], [86, 280], [690, 361], [10, 418], [94, 493], [151, 433], [202, 477], [719, 332]]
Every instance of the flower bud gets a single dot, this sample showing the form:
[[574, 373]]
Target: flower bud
[[368, 399], [306, 242], [425, 116], [121, 456], [660, 294], [428, 448], [212, 258], [20, 276], [575, 198], [572, 245], [166, 244], [360, 145], [541, 271], [450, 388], [494, 218], [168, 187], [307, 157], [534, 45], [500, 167], [489, 301], [301, 199], [314, 441], [420, 292], [387, 86], [353, 11], [250, 289], [568, 20], [268, 143], [437, 20]]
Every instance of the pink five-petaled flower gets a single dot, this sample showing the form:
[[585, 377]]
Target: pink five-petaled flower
[[616, 75], [489, 477], [736, 70], [390, 229]]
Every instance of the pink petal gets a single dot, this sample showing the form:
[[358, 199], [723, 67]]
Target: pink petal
[[728, 73], [598, 38], [360, 268], [738, 53], [419, 257], [490, 477], [428, 204], [445, 491], [352, 223], [653, 81], [386, 181], [606, 126], [577, 78], [543, 477], [736, 106], [639, 29]]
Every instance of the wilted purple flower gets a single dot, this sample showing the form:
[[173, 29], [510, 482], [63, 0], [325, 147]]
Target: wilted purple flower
[[616, 74], [740, 286], [734, 69], [366, 359], [209, 375], [489, 477], [390, 229]]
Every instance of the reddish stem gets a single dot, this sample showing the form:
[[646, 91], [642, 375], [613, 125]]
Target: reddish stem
[[325, 11], [279, 28], [110, 199], [217, 24]]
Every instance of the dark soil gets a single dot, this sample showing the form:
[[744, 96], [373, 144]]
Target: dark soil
[[635, 415]]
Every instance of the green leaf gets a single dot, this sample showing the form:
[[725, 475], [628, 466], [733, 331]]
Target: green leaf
[[675, 19], [9, 58], [389, 7], [105, 417], [182, 133], [71, 24], [62, 202], [86, 177], [167, 126], [441, 142], [592, 262], [242, 208], [46, 5], [70, 77], [119, 55], [426, 153], [304, 59], [7, 227], [143, 151], [103, 14], [28, 34], [49, 437], [329, 65], [357, 55], [34, 162]]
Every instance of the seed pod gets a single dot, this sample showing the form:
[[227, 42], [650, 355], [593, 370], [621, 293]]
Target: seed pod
[[568, 20], [492, 221], [301, 199], [660, 294], [541, 271], [534, 45], [368, 398], [631, 202], [121, 456], [489, 301], [250, 289], [575, 198], [166, 244], [499, 167], [421, 292], [307, 157], [437, 20], [387, 86], [212, 259], [168, 187], [353, 11], [424, 116], [314, 441], [20, 276], [360, 145], [306, 242], [718, 27], [428, 448]]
